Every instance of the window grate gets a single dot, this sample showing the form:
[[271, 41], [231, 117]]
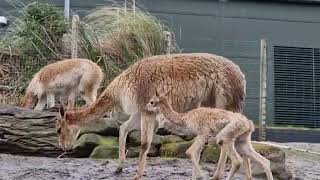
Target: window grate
[[297, 86]]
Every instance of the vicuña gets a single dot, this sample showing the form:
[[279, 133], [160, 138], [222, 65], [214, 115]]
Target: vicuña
[[66, 79]]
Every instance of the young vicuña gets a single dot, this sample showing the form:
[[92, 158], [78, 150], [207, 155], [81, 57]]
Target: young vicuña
[[232, 131]]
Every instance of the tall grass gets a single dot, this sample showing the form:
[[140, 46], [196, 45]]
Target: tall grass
[[116, 37], [34, 36], [112, 36]]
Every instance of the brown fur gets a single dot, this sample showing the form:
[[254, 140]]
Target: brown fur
[[195, 79], [49, 72], [226, 127], [66, 78]]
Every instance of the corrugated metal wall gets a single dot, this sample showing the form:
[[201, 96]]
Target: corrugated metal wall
[[232, 29]]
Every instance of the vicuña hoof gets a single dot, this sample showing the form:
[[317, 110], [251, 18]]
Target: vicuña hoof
[[118, 170], [215, 177], [137, 177]]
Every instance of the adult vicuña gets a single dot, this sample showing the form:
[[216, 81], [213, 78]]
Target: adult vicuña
[[67, 79], [232, 131], [196, 79]]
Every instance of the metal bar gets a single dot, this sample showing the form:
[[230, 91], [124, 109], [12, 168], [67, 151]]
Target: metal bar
[[263, 90], [67, 9]]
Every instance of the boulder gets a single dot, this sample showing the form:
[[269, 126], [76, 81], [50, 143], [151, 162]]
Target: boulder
[[170, 128], [170, 139], [105, 126], [135, 138], [84, 145], [105, 152], [134, 152], [277, 158], [211, 154], [175, 149]]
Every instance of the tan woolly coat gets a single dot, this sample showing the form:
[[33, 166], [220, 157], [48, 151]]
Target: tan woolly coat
[[195, 79], [63, 78]]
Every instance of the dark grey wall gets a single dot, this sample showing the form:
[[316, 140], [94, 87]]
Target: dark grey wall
[[232, 29]]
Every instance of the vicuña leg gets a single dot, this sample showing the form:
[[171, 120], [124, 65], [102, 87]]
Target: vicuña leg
[[50, 100], [247, 167], [128, 126], [194, 153], [41, 102], [221, 164], [265, 163], [147, 130], [71, 99], [236, 160]]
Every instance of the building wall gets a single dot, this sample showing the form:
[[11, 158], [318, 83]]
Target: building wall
[[232, 29]]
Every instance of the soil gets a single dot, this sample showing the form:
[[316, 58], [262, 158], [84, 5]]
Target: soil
[[303, 165]]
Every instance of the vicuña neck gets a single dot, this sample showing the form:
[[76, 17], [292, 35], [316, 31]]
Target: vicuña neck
[[96, 110], [173, 116]]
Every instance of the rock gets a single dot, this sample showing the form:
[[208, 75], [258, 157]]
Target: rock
[[170, 139], [211, 153], [84, 145], [175, 149], [135, 138], [134, 152], [105, 152], [105, 126], [277, 159], [170, 128]]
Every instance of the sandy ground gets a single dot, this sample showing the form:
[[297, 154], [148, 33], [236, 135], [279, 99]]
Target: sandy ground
[[303, 165]]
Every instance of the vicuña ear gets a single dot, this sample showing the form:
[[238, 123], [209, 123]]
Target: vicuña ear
[[61, 111]]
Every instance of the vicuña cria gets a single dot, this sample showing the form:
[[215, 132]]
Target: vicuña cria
[[67, 79], [232, 131], [196, 79]]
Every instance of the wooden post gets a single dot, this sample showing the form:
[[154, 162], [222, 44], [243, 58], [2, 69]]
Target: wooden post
[[74, 36], [168, 41], [134, 8], [263, 90], [67, 9]]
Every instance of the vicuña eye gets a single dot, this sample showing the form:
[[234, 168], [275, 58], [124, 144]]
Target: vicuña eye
[[151, 102]]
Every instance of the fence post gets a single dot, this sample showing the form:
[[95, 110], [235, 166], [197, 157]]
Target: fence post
[[74, 36], [263, 90], [168, 41], [67, 9]]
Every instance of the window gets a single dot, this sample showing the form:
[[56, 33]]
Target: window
[[297, 86]]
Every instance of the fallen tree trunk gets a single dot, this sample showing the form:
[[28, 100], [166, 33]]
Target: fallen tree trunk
[[28, 132]]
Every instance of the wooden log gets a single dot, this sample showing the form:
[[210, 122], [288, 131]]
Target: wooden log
[[28, 132]]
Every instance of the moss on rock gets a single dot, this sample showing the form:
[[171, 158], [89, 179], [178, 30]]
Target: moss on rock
[[105, 151], [84, 145], [170, 139], [175, 149], [211, 153]]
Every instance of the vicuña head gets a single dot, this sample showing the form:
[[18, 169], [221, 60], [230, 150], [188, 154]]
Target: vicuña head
[[67, 130]]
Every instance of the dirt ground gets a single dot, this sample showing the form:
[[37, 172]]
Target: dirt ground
[[303, 165]]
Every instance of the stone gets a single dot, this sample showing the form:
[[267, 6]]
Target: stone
[[134, 151], [105, 152], [105, 126], [175, 149], [277, 158], [170, 128], [84, 145], [211, 153], [170, 139], [135, 138]]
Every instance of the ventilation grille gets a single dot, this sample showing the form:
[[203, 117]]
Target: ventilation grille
[[297, 86]]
